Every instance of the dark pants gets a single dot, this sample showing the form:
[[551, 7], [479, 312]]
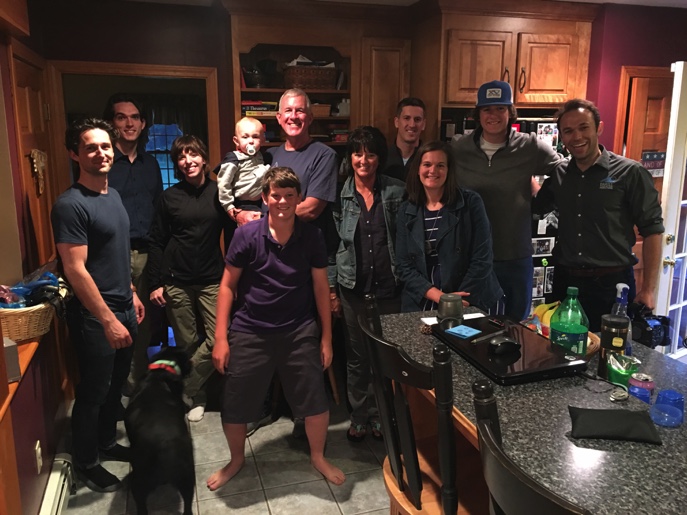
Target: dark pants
[[515, 278], [597, 294], [102, 372], [358, 366]]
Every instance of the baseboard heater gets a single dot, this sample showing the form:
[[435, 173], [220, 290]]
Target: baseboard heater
[[60, 485]]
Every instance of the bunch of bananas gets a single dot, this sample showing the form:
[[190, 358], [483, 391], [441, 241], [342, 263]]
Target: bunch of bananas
[[544, 312]]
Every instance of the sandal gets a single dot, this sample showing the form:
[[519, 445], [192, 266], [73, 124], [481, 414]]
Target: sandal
[[377, 431], [356, 433]]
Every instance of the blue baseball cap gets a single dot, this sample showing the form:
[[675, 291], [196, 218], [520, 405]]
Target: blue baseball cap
[[495, 93]]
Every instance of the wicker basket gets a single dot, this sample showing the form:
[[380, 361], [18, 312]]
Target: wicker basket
[[23, 324], [310, 77], [320, 110]]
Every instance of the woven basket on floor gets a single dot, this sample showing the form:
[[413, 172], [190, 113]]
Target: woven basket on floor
[[23, 324]]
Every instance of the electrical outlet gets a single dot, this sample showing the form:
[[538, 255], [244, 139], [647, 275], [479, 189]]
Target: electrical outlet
[[39, 456]]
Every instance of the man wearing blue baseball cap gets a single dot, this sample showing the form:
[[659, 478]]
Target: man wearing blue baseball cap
[[499, 162]]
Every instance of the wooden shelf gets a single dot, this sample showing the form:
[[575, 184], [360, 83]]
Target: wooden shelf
[[329, 118], [309, 91], [25, 351]]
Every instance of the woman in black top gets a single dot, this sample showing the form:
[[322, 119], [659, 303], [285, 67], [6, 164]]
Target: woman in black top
[[185, 261]]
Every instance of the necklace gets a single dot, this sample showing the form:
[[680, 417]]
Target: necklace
[[428, 243]]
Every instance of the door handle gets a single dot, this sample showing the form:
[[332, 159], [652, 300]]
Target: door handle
[[667, 261], [523, 79], [505, 76]]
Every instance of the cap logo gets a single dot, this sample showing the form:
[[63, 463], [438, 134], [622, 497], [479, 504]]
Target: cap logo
[[494, 93]]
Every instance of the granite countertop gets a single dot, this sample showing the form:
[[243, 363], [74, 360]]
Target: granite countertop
[[603, 476]]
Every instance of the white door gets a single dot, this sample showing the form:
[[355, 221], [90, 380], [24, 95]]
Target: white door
[[672, 288]]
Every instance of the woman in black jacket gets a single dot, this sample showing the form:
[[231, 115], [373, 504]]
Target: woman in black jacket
[[185, 261]]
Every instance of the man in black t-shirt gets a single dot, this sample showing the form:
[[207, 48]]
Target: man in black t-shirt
[[91, 231]]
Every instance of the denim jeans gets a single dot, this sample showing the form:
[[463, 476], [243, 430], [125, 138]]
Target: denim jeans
[[515, 278], [102, 371]]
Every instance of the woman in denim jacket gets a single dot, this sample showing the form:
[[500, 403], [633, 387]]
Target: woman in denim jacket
[[443, 243], [365, 262]]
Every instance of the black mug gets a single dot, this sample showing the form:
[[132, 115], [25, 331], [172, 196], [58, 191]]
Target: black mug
[[451, 306]]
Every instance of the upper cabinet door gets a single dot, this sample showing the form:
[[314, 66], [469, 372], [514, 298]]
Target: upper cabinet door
[[547, 69], [474, 57], [385, 79]]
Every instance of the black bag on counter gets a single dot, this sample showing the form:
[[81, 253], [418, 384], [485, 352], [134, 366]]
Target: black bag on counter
[[649, 329]]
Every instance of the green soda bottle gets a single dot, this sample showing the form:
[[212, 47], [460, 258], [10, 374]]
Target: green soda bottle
[[569, 324]]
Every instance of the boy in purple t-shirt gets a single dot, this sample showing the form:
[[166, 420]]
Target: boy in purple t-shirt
[[276, 270]]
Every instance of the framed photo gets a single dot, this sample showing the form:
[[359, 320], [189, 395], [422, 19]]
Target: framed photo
[[548, 281], [538, 282], [542, 246], [535, 302], [548, 132]]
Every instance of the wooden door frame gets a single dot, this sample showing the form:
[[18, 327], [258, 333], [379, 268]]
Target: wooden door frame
[[627, 73], [56, 69]]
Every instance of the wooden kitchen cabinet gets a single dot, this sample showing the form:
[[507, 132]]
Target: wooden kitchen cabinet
[[545, 62], [546, 69], [385, 77], [363, 41], [474, 57]]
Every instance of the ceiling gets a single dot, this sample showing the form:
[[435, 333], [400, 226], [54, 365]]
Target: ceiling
[[652, 3]]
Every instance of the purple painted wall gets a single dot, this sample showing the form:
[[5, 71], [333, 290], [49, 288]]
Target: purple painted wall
[[624, 35]]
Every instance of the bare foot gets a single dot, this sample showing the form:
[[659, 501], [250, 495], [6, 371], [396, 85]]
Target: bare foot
[[330, 472], [222, 476]]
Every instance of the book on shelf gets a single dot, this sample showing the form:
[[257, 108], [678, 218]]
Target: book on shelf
[[259, 103], [260, 113], [259, 108]]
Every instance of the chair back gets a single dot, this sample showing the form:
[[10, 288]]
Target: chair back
[[511, 490], [392, 367]]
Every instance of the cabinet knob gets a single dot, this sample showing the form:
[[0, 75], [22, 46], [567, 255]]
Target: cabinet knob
[[667, 261]]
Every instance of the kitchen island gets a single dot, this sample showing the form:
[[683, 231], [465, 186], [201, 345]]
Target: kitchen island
[[603, 476]]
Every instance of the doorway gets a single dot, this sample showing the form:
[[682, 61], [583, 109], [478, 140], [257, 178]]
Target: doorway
[[83, 88], [643, 118]]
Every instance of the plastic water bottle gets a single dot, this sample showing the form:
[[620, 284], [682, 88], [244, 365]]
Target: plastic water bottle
[[570, 325], [620, 309]]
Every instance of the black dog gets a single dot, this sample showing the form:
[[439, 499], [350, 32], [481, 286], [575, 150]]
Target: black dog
[[161, 448]]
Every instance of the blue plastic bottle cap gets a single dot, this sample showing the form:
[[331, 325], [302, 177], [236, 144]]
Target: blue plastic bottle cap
[[665, 415]]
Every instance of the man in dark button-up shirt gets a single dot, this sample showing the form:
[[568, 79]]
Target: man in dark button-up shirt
[[136, 177], [601, 198]]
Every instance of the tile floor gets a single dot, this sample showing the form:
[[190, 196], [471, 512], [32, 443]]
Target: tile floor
[[277, 478]]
